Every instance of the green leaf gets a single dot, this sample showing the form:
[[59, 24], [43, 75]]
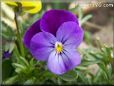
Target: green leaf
[[31, 61], [104, 70], [30, 81], [87, 36], [81, 76], [24, 61], [80, 13], [16, 65], [69, 76], [96, 55], [87, 63], [109, 70], [97, 76], [86, 18], [11, 80], [106, 54], [16, 52], [81, 68], [18, 70], [59, 81]]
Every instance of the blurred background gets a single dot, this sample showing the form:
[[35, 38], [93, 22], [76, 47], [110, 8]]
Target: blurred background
[[95, 17]]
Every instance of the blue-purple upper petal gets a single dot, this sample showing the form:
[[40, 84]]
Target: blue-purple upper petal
[[32, 30], [52, 19]]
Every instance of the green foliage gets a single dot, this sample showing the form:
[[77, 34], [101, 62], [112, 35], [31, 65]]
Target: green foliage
[[87, 36], [34, 72], [101, 58]]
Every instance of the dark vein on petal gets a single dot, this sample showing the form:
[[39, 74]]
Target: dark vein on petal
[[67, 55], [64, 62]]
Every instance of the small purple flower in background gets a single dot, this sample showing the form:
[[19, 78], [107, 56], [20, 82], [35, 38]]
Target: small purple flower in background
[[6, 54], [57, 43]]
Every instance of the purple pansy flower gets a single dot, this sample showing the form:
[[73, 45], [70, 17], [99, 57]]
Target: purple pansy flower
[[6, 54], [57, 43]]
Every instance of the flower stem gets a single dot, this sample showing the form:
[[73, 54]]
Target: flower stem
[[19, 35]]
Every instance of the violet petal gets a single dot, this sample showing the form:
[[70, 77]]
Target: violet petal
[[71, 59], [61, 63], [32, 30], [70, 34], [41, 45], [52, 19], [55, 63], [6, 54]]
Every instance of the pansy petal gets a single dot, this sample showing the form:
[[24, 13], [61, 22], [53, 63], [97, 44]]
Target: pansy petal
[[69, 33], [32, 30], [71, 59], [61, 63], [31, 6], [52, 19], [41, 45], [56, 64]]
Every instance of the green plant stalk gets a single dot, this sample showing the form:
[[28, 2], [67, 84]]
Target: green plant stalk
[[19, 35]]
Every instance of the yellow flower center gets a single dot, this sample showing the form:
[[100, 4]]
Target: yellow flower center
[[58, 47]]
